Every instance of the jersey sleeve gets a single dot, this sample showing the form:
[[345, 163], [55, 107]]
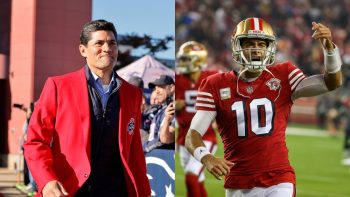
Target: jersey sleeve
[[295, 76], [205, 99]]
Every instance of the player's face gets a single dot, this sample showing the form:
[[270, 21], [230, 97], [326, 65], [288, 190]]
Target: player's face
[[255, 49], [101, 51], [188, 64], [184, 62]]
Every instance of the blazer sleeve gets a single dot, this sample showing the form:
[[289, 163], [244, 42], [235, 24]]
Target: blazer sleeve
[[37, 149], [139, 163]]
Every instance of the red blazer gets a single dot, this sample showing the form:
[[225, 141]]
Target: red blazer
[[58, 142]]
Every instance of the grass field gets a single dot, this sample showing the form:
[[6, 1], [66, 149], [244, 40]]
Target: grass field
[[315, 158]]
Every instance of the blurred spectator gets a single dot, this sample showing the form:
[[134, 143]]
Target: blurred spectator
[[323, 105], [159, 136], [149, 112], [136, 81], [29, 187]]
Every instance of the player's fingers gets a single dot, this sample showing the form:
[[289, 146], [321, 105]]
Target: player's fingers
[[322, 36], [230, 164], [324, 33], [216, 170], [316, 33], [322, 25], [215, 173], [224, 168], [314, 25], [227, 166]]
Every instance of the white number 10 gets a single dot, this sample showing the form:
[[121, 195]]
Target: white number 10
[[261, 116]]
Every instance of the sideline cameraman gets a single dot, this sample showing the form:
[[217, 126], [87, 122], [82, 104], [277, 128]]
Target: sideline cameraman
[[161, 133]]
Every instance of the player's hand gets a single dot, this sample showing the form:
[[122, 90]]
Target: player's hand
[[179, 104], [54, 189], [217, 166], [323, 34]]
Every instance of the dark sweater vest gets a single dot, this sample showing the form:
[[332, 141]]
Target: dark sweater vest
[[107, 174]]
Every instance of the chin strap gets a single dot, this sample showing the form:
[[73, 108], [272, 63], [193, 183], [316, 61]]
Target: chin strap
[[239, 75], [244, 70]]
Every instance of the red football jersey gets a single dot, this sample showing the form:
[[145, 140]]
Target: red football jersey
[[186, 90], [252, 121]]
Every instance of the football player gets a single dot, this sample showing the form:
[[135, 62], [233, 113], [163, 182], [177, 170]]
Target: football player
[[251, 108], [191, 58]]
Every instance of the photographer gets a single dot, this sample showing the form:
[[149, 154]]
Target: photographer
[[29, 186], [161, 132]]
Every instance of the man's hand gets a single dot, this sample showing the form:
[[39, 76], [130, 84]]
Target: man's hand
[[217, 166], [323, 34], [169, 112], [54, 189]]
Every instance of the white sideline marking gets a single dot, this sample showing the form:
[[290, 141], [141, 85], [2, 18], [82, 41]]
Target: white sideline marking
[[211, 181], [306, 132], [316, 193], [325, 179]]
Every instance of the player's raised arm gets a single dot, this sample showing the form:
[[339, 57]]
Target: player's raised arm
[[194, 144], [332, 77], [332, 59]]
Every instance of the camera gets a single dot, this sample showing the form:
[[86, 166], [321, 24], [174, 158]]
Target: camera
[[19, 106], [148, 116], [24, 108], [169, 100]]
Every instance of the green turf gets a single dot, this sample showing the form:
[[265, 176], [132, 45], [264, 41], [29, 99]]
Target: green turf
[[316, 161]]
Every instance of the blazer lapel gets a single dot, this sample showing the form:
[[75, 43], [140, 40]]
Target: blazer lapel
[[81, 99]]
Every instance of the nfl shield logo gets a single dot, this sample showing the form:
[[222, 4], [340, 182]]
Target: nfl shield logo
[[131, 125], [250, 89]]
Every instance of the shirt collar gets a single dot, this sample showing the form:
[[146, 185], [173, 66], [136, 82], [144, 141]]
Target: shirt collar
[[98, 79]]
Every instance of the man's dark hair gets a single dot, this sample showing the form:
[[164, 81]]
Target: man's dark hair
[[96, 25]]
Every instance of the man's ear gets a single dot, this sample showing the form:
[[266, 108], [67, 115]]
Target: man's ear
[[82, 50], [172, 87]]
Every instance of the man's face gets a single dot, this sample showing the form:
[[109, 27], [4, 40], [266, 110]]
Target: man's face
[[101, 51], [162, 92], [254, 54]]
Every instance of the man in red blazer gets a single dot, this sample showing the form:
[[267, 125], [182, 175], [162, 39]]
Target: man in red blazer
[[83, 137]]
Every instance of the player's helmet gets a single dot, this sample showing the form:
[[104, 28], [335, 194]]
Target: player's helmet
[[191, 57], [256, 28]]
